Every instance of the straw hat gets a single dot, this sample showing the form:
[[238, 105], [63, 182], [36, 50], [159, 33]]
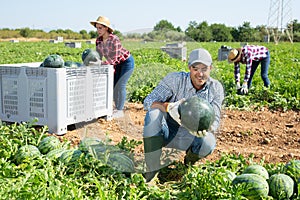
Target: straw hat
[[234, 55], [104, 21]]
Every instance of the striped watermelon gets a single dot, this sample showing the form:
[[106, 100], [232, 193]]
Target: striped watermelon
[[256, 169], [70, 157], [55, 153], [196, 114], [120, 161], [281, 186], [292, 169], [87, 144], [49, 143], [255, 186], [27, 153]]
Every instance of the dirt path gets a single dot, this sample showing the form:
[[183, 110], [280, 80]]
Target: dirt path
[[271, 136]]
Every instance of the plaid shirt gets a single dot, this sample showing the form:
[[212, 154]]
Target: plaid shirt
[[250, 53], [178, 85], [112, 50]]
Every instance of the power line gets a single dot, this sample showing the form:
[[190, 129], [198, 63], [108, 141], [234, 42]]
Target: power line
[[279, 20]]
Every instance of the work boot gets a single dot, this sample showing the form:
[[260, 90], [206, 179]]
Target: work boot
[[152, 150], [190, 158], [150, 175]]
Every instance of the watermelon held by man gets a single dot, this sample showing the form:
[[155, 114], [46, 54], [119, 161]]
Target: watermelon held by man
[[196, 114]]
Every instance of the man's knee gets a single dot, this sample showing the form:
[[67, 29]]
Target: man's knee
[[153, 123], [208, 145]]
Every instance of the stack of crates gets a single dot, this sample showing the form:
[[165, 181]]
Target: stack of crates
[[57, 97], [176, 50]]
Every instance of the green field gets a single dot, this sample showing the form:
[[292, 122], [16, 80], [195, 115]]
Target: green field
[[152, 64], [38, 177]]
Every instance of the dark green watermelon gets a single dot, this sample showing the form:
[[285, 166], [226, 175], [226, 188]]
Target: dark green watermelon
[[292, 168], [27, 153], [196, 114], [89, 55], [256, 169], [55, 153], [49, 143], [254, 186], [70, 157], [53, 61], [281, 186], [121, 162], [91, 144]]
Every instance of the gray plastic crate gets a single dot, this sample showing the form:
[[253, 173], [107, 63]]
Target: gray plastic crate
[[58, 97], [223, 52], [176, 51]]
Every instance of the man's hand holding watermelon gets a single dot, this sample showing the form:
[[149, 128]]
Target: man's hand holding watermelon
[[201, 123], [172, 109]]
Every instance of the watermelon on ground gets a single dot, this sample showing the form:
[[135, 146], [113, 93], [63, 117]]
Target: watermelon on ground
[[55, 153], [196, 114], [254, 186], [256, 169], [292, 168], [27, 153], [70, 157], [120, 161], [281, 186], [87, 144], [49, 143]]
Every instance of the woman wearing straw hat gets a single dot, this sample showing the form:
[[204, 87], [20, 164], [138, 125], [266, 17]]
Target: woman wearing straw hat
[[111, 50], [252, 56]]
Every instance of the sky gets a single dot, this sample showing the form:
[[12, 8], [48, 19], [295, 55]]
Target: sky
[[132, 15]]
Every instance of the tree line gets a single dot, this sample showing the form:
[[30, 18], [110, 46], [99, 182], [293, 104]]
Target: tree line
[[166, 31]]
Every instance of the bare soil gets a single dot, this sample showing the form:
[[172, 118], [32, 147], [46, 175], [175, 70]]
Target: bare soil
[[271, 136]]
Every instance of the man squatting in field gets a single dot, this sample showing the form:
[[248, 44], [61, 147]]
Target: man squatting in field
[[162, 126], [252, 56]]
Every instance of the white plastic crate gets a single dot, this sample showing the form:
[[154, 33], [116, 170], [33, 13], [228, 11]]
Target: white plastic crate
[[58, 97]]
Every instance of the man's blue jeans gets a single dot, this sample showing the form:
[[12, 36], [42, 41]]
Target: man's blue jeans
[[159, 123]]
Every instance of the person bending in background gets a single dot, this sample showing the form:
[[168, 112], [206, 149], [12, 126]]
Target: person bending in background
[[162, 126], [252, 56], [111, 50]]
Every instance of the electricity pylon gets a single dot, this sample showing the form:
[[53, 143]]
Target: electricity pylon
[[280, 20]]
